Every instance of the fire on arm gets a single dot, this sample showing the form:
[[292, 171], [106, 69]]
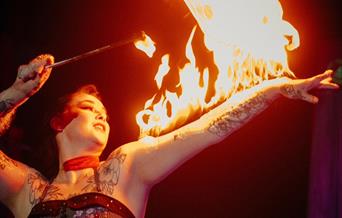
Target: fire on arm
[[156, 157]]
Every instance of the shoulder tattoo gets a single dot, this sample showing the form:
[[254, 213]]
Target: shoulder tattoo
[[37, 184], [108, 174]]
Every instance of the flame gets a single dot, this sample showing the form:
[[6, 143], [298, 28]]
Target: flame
[[146, 45], [163, 70], [249, 41]]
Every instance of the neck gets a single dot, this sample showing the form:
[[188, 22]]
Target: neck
[[72, 177], [80, 163], [70, 149]]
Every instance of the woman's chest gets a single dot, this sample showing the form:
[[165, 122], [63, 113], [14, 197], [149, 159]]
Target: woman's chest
[[98, 182]]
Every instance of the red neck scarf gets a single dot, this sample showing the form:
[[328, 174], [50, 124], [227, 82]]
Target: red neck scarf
[[80, 163]]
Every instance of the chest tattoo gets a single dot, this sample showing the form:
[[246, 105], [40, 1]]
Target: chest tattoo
[[107, 176], [37, 185]]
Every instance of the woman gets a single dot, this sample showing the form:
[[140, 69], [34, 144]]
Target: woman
[[119, 186]]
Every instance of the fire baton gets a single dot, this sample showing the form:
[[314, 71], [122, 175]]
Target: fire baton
[[133, 38]]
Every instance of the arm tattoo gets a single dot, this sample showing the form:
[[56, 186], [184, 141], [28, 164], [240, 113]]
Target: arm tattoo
[[107, 175], [6, 161], [7, 112], [41, 190], [6, 105], [237, 116], [180, 136], [5, 121], [291, 92]]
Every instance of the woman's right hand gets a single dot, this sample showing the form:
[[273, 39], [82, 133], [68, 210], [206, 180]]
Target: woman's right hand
[[31, 77]]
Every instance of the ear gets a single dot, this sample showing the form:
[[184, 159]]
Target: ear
[[61, 120], [57, 124]]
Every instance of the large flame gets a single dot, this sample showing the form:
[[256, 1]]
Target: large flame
[[248, 39]]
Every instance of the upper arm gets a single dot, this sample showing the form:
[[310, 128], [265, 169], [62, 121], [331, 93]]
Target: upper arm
[[21, 187], [5, 121], [13, 175], [153, 158]]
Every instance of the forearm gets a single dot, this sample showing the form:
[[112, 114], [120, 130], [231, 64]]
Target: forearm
[[6, 121], [238, 110], [11, 98], [160, 156], [29, 80], [155, 158]]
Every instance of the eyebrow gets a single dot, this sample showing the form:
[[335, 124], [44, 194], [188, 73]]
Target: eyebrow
[[93, 103]]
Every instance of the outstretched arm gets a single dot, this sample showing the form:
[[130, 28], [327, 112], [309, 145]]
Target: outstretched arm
[[154, 158], [30, 79]]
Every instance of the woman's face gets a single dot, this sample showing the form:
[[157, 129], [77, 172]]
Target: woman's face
[[89, 124]]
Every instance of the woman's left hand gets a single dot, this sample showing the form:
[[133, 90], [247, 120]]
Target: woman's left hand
[[299, 88]]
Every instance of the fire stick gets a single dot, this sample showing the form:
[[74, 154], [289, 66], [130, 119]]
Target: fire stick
[[137, 36]]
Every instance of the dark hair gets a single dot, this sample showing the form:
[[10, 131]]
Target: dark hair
[[63, 101], [50, 163]]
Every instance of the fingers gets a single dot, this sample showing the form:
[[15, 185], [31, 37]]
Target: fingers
[[328, 84], [35, 67], [298, 89], [324, 75], [309, 98], [315, 81], [39, 62], [43, 73], [26, 73]]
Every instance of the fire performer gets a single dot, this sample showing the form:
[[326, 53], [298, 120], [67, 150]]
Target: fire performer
[[119, 186]]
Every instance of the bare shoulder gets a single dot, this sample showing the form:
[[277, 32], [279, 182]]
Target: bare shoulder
[[16, 179], [30, 194], [125, 153], [113, 170], [122, 161]]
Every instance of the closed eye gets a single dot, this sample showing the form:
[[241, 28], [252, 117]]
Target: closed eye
[[91, 108]]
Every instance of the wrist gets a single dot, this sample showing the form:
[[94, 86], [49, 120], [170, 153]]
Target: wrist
[[273, 87], [19, 89], [15, 93]]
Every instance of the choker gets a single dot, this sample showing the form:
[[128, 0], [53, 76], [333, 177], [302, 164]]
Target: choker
[[80, 163]]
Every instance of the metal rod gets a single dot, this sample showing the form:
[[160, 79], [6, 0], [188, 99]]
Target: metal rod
[[133, 38]]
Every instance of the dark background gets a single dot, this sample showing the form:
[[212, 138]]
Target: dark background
[[260, 171]]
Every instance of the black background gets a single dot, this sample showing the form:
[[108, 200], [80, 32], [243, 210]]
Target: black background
[[260, 171]]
